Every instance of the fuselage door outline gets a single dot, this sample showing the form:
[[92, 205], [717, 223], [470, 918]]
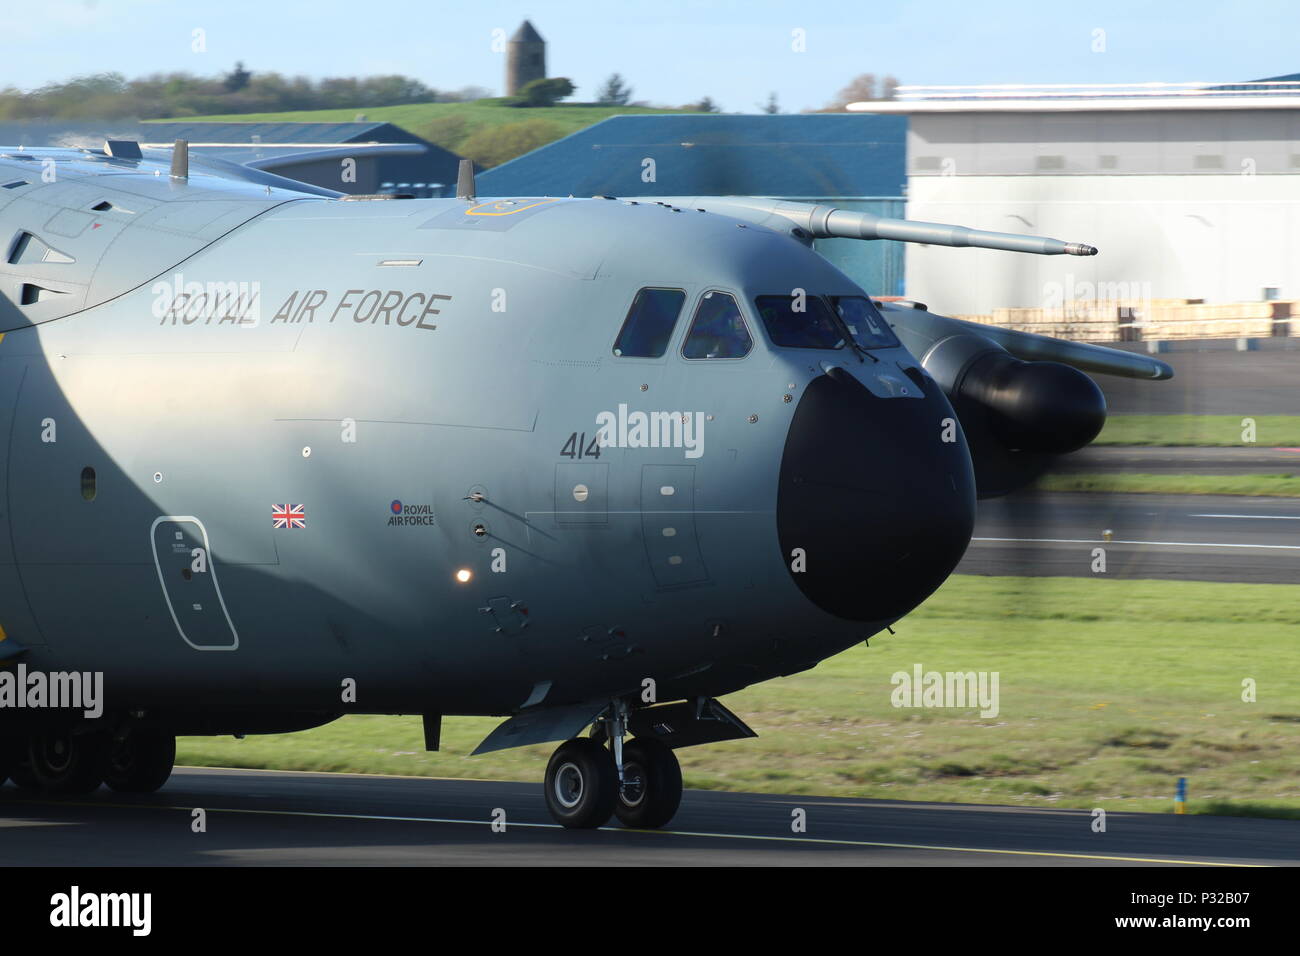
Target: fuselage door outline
[[211, 571]]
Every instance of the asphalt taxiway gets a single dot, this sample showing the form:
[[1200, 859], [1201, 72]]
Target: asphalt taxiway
[[1176, 537], [259, 818]]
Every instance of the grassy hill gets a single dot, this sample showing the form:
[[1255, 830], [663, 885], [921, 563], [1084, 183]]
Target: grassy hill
[[486, 131]]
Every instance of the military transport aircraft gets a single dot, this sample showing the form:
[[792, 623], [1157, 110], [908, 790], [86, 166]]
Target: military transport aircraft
[[274, 455]]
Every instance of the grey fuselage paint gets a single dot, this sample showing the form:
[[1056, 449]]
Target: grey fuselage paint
[[407, 390]]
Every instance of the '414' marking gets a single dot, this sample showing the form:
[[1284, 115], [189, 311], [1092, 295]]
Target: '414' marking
[[578, 447]]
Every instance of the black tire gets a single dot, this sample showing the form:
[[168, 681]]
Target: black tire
[[581, 784], [652, 784], [64, 762], [10, 755], [20, 771], [141, 763]]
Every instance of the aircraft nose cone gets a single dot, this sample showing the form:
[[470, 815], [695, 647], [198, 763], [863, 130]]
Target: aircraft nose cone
[[880, 504]]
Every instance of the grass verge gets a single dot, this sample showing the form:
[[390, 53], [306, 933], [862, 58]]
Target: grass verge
[[1110, 691], [1202, 430], [1282, 486]]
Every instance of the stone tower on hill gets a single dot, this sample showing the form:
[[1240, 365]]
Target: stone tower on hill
[[525, 58]]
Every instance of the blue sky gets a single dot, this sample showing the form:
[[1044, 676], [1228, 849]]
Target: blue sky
[[671, 51]]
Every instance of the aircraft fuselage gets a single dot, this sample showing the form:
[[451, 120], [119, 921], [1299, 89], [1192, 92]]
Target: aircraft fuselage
[[362, 441]]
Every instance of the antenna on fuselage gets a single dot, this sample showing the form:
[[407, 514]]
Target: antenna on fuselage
[[181, 160], [465, 180]]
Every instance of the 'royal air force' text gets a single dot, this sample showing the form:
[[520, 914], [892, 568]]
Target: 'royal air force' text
[[362, 306]]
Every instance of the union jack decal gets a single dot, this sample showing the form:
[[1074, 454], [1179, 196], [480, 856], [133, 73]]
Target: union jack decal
[[289, 516]]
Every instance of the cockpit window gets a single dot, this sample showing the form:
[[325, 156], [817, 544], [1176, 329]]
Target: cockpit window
[[649, 324], [868, 326], [718, 330], [799, 322]]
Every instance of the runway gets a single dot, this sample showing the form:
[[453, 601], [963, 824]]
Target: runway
[[275, 818], [1176, 537]]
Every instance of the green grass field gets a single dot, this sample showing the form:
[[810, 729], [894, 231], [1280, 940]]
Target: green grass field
[[1222, 430], [411, 116], [1281, 486], [450, 125], [1110, 690]]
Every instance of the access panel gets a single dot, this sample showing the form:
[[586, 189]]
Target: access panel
[[668, 524]]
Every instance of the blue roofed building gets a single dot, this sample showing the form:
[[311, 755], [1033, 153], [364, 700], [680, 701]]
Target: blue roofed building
[[854, 161], [387, 157]]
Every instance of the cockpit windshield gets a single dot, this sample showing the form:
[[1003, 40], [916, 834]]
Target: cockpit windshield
[[718, 330], [868, 326], [799, 322]]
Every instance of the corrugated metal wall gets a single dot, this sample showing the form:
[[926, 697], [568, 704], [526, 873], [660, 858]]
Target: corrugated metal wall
[[851, 160], [1217, 238]]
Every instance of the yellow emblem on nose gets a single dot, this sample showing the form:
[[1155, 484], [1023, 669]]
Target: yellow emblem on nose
[[504, 207]]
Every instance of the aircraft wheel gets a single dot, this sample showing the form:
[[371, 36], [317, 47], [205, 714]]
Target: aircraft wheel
[[581, 784], [141, 763], [9, 754], [20, 771], [652, 784], [63, 762]]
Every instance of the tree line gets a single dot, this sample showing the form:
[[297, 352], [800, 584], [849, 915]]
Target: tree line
[[177, 95]]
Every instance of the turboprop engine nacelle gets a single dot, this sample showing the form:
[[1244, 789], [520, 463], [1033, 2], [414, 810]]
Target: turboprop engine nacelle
[[1022, 399]]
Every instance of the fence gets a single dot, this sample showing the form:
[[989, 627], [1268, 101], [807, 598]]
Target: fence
[[1135, 320]]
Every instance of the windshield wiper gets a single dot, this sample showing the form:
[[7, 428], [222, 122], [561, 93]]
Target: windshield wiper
[[863, 351]]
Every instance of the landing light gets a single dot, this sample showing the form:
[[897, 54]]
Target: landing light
[[463, 575]]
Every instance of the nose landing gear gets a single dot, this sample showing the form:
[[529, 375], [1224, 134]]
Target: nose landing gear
[[586, 783]]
